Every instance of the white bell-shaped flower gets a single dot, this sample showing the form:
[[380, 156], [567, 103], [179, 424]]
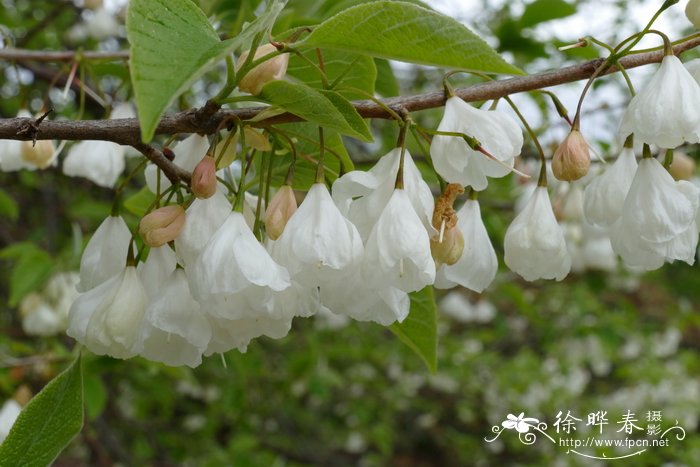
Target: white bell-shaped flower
[[318, 246], [105, 253], [230, 334], [604, 197], [658, 223], [202, 219], [38, 317], [175, 331], [361, 196], [477, 266], [361, 301], [596, 250], [667, 111], [11, 156], [234, 274], [99, 161], [456, 162], [655, 207], [108, 318], [188, 153], [534, 243], [397, 253], [156, 270]]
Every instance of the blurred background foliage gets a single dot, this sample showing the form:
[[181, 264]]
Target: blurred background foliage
[[337, 393]]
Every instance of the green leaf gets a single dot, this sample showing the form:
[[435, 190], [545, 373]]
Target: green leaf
[[350, 115], [48, 423], [386, 84], [32, 269], [8, 206], [419, 330], [410, 33], [139, 202], [357, 71], [311, 105], [172, 45], [541, 11]]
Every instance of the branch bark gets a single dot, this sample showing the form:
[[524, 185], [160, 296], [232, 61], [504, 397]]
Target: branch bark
[[209, 120]]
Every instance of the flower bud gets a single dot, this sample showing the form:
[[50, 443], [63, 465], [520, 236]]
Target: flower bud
[[692, 11], [204, 178], [41, 154], [449, 250], [162, 225], [682, 167], [280, 209], [572, 158], [273, 69]]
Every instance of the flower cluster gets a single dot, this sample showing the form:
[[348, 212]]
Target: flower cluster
[[214, 273]]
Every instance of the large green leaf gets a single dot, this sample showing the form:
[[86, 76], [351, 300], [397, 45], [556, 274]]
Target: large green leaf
[[172, 45], [315, 107], [410, 33], [48, 423], [419, 330], [357, 71]]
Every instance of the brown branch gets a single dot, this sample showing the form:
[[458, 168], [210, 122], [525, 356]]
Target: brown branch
[[209, 119]]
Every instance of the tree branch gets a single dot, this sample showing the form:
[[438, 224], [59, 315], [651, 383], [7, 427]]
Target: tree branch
[[209, 119]]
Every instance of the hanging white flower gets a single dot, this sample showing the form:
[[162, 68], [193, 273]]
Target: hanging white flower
[[157, 268], [456, 162], [99, 161], [658, 219], [397, 253], [534, 243], [11, 156], [363, 301], [237, 333], [105, 253], [477, 266], [107, 319], [318, 246], [202, 218], [667, 111], [361, 196], [175, 331], [604, 197], [234, 274], [655, 207]]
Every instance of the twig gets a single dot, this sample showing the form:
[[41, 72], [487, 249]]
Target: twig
[[208, 119]]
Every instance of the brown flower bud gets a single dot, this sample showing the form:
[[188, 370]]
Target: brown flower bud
[[162, 225], [278, 212], [572, 158], [204, 178], [41, 154], [682, 167], [274, 68]]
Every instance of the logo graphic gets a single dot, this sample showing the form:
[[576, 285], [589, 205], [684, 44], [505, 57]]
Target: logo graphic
[[630, 435]]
